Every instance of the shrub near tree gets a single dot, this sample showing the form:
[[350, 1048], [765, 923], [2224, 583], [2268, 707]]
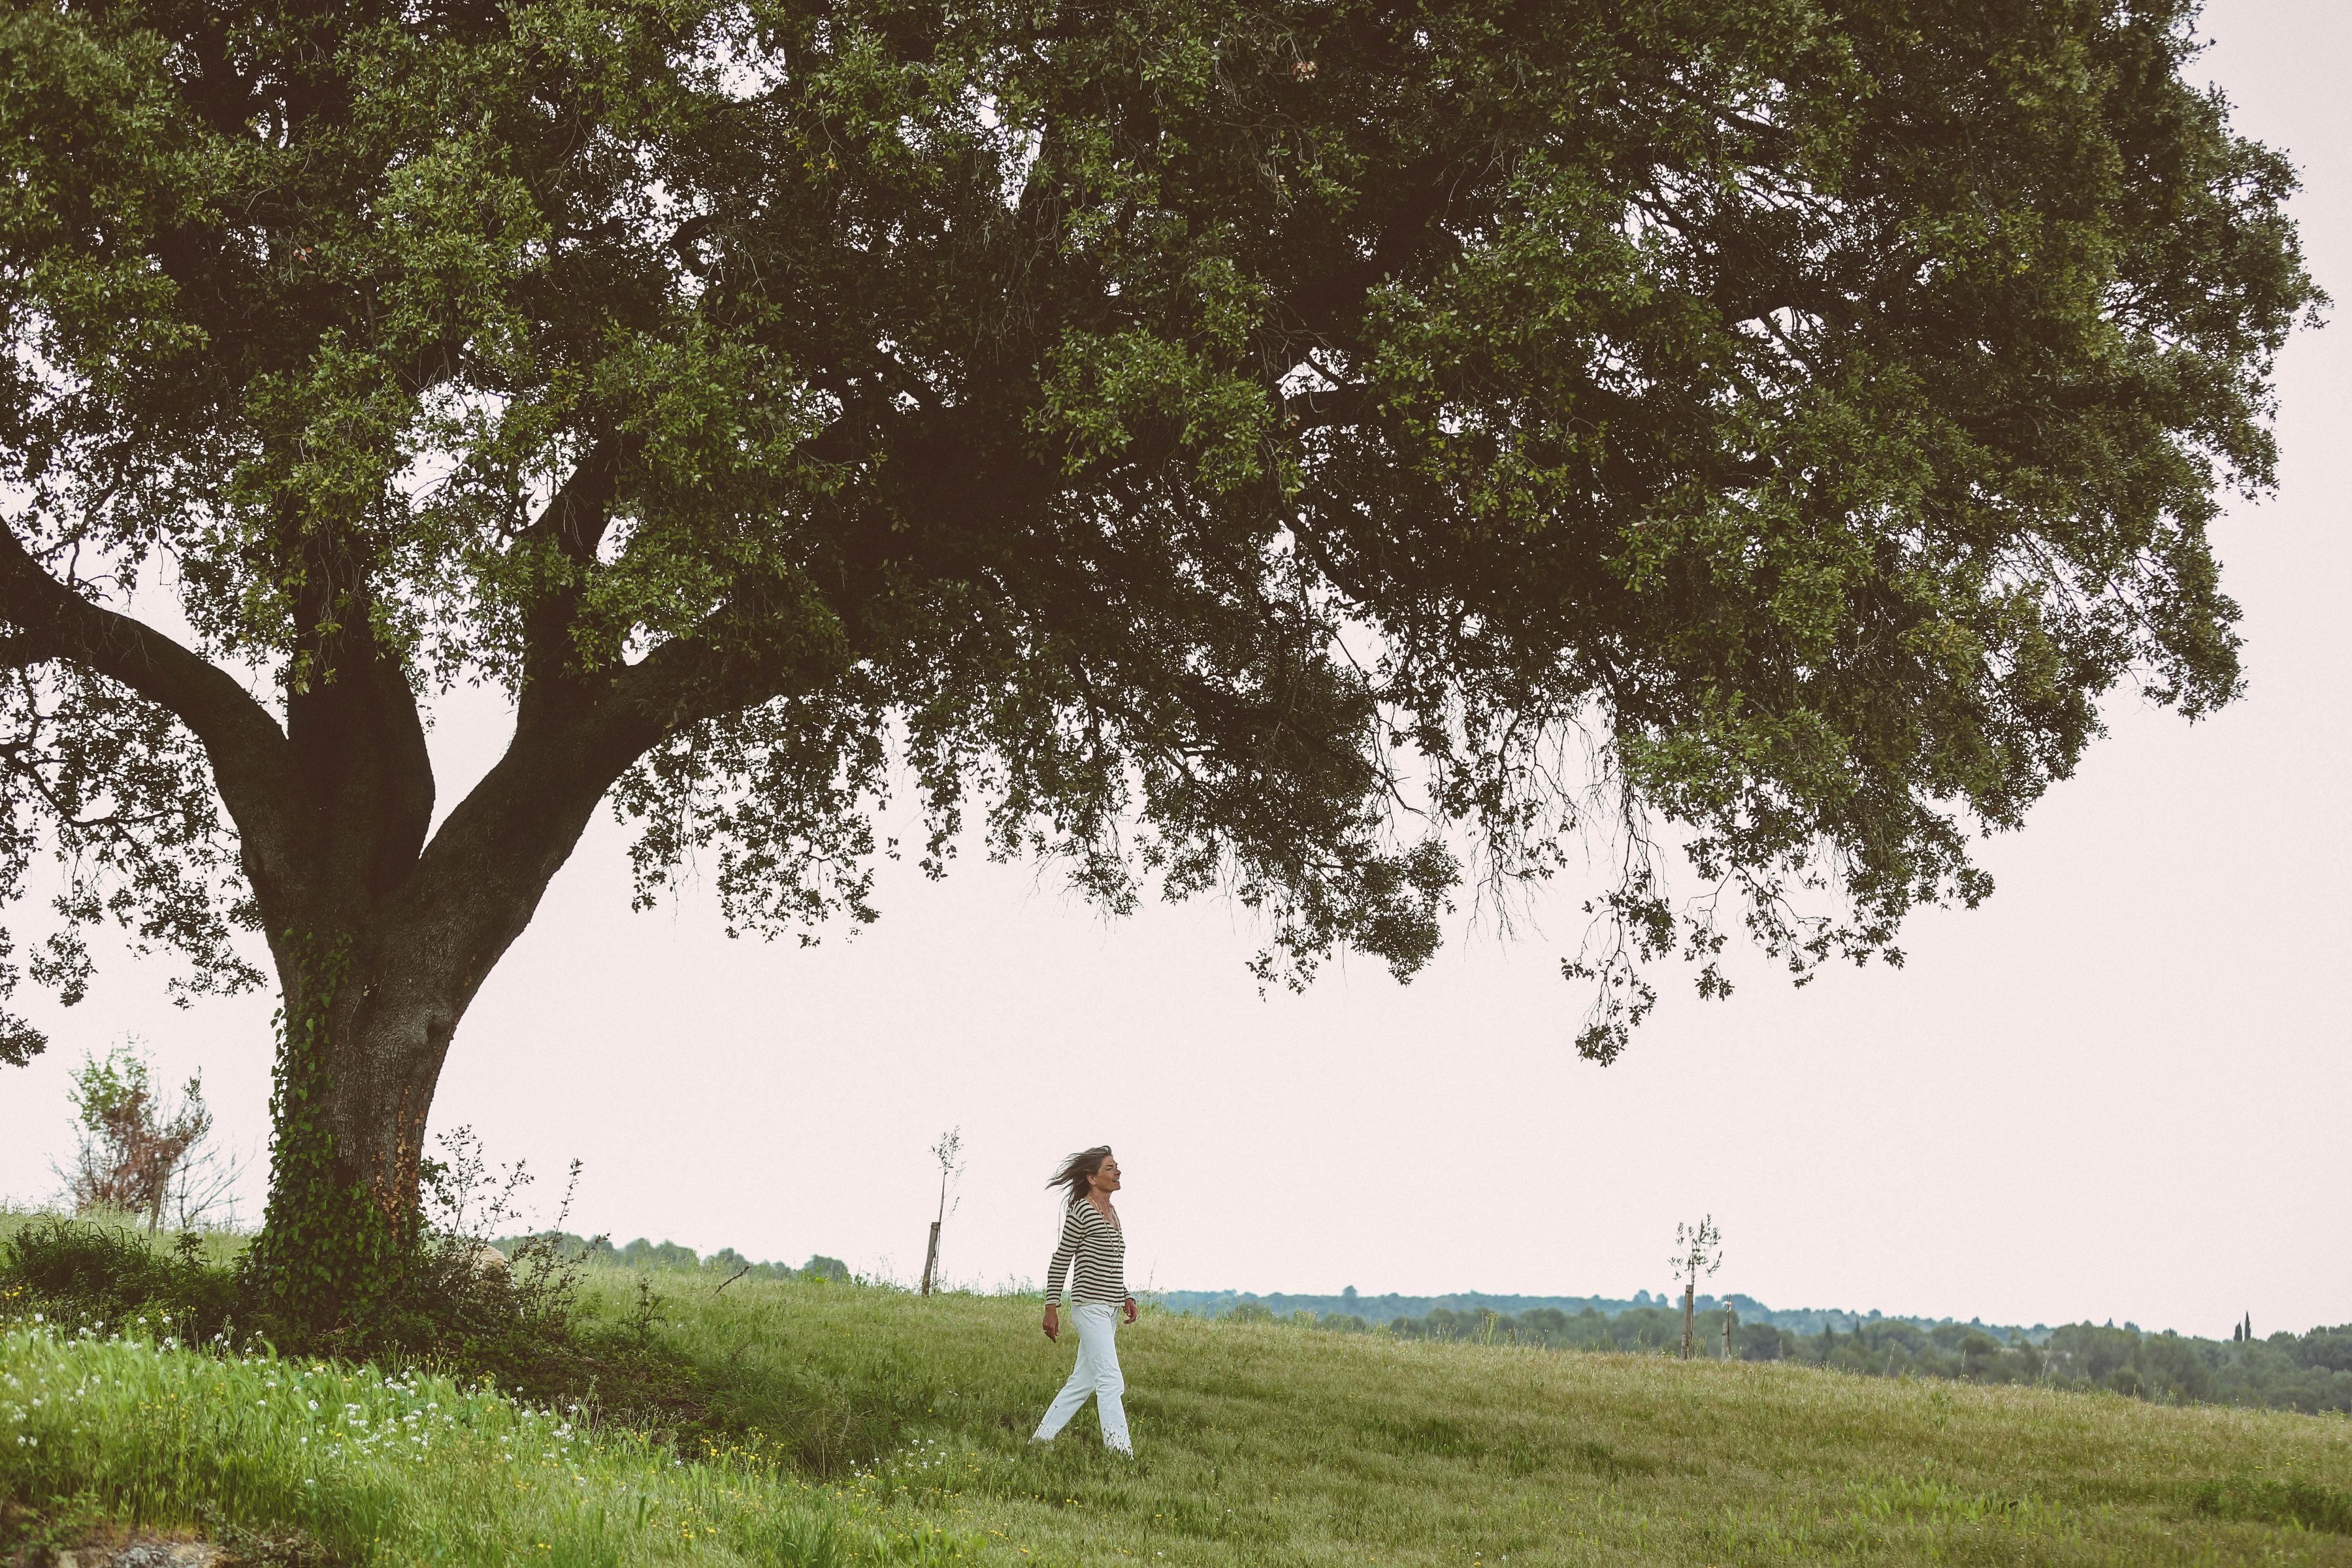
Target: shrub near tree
[[1252, 447], [135, 1152]]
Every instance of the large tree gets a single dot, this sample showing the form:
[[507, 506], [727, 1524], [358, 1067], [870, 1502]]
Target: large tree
[[1310, 450]]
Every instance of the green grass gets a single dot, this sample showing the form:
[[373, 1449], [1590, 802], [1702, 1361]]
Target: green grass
[[1263, 1444], [872, 1425], [130, 1428]]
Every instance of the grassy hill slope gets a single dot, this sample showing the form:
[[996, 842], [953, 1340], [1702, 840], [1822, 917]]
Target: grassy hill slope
[[870, 1425], [1263, 1444]]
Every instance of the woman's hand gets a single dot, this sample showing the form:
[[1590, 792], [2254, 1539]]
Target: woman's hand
[[1053, 1320], [1130, 1309]]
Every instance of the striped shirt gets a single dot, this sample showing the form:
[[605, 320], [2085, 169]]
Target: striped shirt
[[1097, 1248]]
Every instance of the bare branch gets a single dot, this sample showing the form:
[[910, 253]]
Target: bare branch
[[1319, 408], [573, 524], [247, 747]]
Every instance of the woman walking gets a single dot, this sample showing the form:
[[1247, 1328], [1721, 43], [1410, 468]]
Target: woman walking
[[1094, 1253]]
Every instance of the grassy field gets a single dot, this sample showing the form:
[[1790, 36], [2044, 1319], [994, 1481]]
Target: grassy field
[[1265, 1444], [312, 1464], [890, 1428]]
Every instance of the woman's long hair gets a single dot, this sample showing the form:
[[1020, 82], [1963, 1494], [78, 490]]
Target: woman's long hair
[[1077, 1175]]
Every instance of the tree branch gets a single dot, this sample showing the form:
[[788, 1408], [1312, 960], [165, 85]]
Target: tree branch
[[1319, 408], [482, 876], [356, 757], [1328, 307], [714, 672], [572, 525], [246, 747]]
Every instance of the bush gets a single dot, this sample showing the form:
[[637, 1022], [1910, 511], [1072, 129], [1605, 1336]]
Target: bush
[[113, 1274], [455, 1305], [460, 1301]]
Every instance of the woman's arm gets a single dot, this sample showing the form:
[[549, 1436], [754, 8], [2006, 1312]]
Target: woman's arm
[[1055, 1270], [1060, 1268]]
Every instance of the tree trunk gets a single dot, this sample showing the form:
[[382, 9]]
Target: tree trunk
[[1690, 1300], [388, 1035], [931, 1258], [378, 958], [364, 1031]]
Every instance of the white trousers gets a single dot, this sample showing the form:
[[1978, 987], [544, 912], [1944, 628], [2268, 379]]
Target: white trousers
[[1096, 1374]]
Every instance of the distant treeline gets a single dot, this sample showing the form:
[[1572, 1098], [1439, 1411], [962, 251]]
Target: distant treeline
[[2309, 1372], [1377, 1310], [643, 1254]]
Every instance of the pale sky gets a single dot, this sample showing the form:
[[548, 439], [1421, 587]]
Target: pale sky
[[2118, 1090]]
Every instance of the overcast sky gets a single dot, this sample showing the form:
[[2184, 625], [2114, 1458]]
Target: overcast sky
[[2119, 1090]]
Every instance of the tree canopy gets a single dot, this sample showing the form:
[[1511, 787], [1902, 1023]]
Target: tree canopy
[[1322, 451]]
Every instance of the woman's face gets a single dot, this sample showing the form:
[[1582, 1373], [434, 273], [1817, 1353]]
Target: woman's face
[[1106, 1177]]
